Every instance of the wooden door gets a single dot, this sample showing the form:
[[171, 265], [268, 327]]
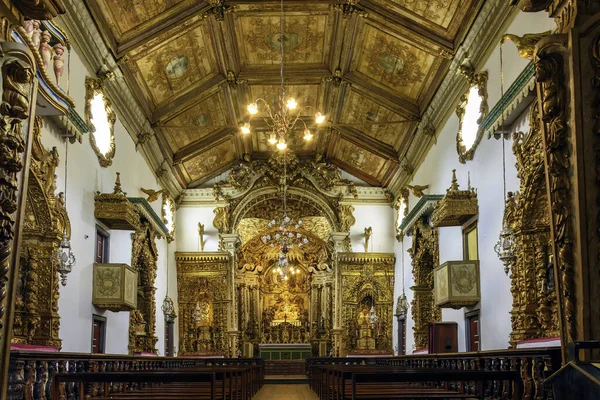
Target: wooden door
[[473, 333], [97, 337]]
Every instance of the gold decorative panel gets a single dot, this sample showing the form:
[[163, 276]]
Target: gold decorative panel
[[175, 66], [203, 288], [457, 284], [367, 282], [196, 122], [439, 12], [394, 63], [364, 113], [304, 38], [209, 161], [114, 287]]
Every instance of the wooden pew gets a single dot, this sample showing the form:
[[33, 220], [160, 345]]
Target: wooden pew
[[227, 383]]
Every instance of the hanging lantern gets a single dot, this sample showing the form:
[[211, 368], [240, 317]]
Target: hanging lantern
[[505, 248], [66, 258], [168, 309], [402, 305]]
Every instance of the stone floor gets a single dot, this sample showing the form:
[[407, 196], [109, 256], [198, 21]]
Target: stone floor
[[285, 392]]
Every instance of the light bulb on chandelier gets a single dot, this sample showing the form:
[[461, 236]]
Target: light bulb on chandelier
[[245, 128], [307, 134], [291, 104], [281, 144], [319, 118]]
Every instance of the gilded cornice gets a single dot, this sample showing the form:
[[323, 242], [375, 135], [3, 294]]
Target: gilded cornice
[[424, 206], [481, 39], [512, 100], [92, 49], [362, 258], [145, 209], [217, 256]]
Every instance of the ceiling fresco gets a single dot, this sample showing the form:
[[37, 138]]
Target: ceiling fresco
[[371, 67]]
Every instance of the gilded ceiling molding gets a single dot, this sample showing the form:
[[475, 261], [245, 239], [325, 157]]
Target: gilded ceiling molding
[[92, 48], [94, 87], [552, 98]]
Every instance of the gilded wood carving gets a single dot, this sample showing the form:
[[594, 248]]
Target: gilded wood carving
[[36, 310], [425, 257], [367, 283], [204, 303], [552, 101], [142, 321], [535, 307]]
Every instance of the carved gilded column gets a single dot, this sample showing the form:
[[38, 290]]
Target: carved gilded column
[[567, 68], [230, 242], [338, 240]]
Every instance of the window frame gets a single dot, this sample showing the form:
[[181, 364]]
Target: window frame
[[104, 233], [93, 87], [478, 81], [466, 229]]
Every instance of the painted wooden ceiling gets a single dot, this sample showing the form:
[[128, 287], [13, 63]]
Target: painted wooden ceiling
[[371, 66]]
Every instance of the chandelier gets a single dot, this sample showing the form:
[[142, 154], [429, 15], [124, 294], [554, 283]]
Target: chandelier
[[281, 118], [63, 253], [287, 240]]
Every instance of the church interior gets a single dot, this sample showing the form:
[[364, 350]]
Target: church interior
[[299, 199]]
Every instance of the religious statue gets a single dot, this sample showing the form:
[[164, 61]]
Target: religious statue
[[365, 331]]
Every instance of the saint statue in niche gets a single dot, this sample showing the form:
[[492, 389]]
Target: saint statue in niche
[[365, 331]]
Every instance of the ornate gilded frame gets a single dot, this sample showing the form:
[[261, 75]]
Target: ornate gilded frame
[[167, 198], [480, 82], [402, 198], [92, 87]]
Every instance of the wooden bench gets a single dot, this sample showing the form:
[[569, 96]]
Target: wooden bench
[[209, 382], [342, 382]]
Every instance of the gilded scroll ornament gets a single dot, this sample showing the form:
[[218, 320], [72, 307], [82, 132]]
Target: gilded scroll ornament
[[552, 98], [100, 118], [425, 257]]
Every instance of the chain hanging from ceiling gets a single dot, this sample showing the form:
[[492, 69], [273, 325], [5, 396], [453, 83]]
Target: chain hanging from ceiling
[[280, 118]]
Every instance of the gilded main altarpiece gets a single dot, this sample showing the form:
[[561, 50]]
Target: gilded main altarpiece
[[236, 299]]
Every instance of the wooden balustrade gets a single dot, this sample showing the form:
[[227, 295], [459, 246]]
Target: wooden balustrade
[[31, 373], [533, 365]]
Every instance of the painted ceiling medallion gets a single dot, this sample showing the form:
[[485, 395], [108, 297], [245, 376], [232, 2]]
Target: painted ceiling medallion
[[289, 41], [398, 64], [177, 66]]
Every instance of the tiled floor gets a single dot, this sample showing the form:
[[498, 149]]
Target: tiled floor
[[285, 392]]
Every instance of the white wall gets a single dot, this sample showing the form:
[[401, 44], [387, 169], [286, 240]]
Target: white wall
[[188, 218], [381, 219], [486, 176], [85, 178]]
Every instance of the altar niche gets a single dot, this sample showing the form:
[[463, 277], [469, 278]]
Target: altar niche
[[275, 309]]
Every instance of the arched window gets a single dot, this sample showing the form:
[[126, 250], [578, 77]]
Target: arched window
[[471, 111], [100, 118]]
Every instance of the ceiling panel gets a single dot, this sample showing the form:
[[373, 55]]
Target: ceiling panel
[[174, 66], [197, 122], [395, 63], [304, 38], [208, 161], [363, 114]]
